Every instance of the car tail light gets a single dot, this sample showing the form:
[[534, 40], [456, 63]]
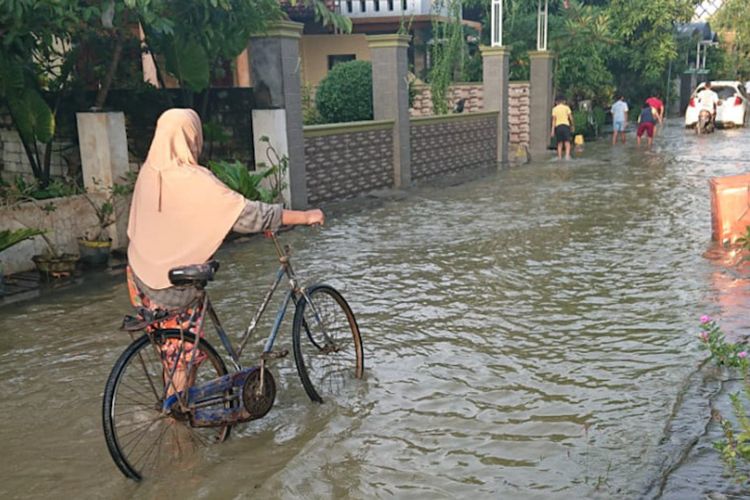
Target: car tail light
[[738, 101], [692, 102]]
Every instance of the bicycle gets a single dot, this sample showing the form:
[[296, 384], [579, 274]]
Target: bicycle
[[159, 403]]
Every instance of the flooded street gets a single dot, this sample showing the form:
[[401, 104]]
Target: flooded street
[[530, 334]]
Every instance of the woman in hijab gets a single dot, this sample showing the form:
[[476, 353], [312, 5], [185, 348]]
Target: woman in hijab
[[181, 213]]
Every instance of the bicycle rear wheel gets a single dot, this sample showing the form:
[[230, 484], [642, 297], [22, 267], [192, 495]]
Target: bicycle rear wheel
[[140, 438], [327, 343]]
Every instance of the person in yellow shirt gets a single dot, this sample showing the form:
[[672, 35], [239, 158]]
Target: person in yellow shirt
[[562, 127]]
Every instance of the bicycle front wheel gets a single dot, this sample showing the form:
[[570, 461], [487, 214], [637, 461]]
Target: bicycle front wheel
[[327, 343], [140, 437]]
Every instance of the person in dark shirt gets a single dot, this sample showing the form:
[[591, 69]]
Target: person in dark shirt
[[646, 122]]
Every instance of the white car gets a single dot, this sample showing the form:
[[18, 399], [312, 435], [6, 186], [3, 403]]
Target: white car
[[733, 109]]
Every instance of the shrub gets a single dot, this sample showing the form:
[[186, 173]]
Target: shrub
[[345, 94], [583, 125]]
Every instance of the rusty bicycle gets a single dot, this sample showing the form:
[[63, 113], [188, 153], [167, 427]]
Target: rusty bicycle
[[170, 393]]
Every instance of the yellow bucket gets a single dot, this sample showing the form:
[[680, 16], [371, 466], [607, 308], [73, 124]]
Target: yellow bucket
[[579, 140]]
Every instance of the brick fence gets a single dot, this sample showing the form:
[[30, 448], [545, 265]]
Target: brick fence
[[518, 108], [472, 93], [518, 119], [450, 144], [348, 159]]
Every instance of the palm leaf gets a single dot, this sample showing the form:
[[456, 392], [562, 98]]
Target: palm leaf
[[9, 238]]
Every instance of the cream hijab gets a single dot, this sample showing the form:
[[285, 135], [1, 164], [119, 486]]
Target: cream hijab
[[180, 212]]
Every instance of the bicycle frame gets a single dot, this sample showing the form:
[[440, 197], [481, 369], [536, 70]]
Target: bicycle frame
[[207, 392]]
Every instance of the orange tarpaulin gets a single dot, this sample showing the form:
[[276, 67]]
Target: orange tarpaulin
[[730, 207]]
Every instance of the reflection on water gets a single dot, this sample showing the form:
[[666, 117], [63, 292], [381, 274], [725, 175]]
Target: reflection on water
[[527, 334]]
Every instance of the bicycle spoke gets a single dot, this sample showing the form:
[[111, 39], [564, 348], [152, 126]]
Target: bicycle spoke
[[139, 436], [152, 447]]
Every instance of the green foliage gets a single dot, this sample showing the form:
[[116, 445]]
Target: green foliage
[[9, 238], [582, 124], [744, 240], [472, 68], [238, 178], [22, 190], [733, 21], [599, 116], [581, 44], [446, 52], [188, 61], [735, 447], [646, 28], [251, 185], [345, 94], [310, 114], [208, 32], [600, 45], [106, 210], [329, 18]]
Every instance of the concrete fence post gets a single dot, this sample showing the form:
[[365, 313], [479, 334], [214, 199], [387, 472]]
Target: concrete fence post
[[103, 144], [495, 78], [540, 101], [390, 97], [275, 66]]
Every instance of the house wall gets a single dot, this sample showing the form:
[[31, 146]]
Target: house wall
[[449, 144], [346, 160], [315, 50]]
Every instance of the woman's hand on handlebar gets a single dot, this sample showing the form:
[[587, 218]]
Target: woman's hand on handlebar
[[314, 217]]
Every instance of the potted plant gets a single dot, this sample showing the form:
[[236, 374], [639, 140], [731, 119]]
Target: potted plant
[[53, 263], [9, 238], [94, 247]]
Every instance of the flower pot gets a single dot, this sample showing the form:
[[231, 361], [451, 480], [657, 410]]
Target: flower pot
[[50, 266], [94, 254]]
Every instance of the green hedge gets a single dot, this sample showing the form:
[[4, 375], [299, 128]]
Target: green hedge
[[345, 94]]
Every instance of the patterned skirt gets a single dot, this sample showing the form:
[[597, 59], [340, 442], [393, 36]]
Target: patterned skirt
[[187, 319]]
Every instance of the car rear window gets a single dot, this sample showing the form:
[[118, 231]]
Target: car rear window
[[725, 92]]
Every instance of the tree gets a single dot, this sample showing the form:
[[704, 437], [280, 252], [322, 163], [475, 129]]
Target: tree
[[646, 40], [581, 43], [34, 58], [733, 20]]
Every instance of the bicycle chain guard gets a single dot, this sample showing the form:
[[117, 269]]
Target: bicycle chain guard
[[257, 402]]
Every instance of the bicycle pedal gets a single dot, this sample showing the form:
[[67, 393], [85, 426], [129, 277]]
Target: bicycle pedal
[[275, 354]]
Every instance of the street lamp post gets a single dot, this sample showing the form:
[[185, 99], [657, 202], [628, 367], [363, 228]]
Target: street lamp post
[[496, 20], [541, 25]]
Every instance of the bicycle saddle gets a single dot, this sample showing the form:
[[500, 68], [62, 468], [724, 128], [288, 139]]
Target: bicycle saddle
[[194, 275]]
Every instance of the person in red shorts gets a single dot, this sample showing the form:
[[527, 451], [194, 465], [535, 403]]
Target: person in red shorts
[[646, 122], [657, 106]]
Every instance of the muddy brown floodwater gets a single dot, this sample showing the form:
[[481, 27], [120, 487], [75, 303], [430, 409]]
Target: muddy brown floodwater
[[530, 334]]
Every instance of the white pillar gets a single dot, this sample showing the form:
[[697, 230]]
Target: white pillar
[[104, 160]]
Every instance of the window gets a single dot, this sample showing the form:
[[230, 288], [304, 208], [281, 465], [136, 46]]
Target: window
[[390, 5], [334, 59], [377, 5], [349, 6], [403, 4], [362, 6]]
